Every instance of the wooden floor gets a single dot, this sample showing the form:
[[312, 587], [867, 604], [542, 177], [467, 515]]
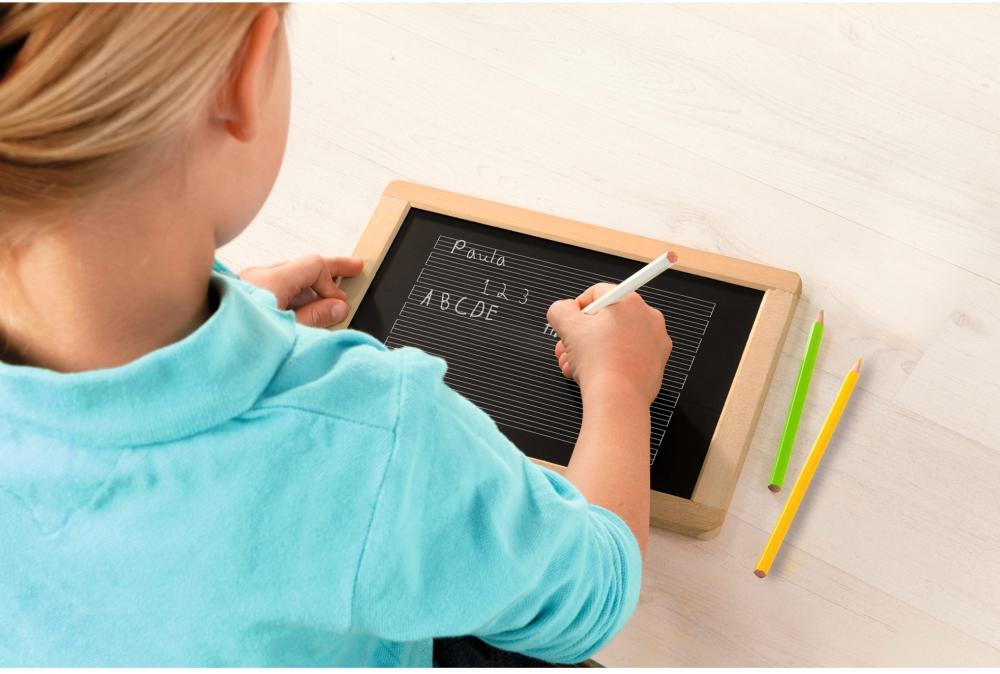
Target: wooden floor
[[858, 145]]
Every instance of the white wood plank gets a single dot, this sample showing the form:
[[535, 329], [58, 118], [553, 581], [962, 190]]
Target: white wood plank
[[847, 146], [957, 381], [909, 50], [702, 607], [899, 502]]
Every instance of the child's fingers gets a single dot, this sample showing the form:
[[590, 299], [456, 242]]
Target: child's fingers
[[592, 293], [563, 359], [322, 313], [564, 365], [310, 271], [347, 267], [303, 298], [562, 312]]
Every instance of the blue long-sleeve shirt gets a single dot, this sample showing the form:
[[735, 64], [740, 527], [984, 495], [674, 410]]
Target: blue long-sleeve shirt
[[262, 493]]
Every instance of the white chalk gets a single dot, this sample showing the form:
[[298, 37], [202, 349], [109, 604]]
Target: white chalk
[[633, 282]]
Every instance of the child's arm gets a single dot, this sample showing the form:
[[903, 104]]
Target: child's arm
[[308, 286], [617, 356], [468, 536]]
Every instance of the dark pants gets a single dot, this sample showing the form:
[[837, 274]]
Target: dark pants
[[471, 652]]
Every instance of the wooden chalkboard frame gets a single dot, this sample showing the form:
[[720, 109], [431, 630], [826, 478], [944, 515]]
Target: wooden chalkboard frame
[[701, 515]]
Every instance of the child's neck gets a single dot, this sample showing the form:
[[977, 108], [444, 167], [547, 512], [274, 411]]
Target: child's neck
[[103, 288]]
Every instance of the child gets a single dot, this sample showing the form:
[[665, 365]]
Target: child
[[188, 476]]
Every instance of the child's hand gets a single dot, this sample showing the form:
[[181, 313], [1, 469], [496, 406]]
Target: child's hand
[[623, 347], [308, 286]]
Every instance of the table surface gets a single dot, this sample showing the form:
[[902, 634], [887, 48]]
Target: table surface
[[858, 145]]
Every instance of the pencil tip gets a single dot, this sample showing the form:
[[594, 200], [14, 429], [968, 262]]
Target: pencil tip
[[819, 316], [774, 488], [672, 256], [857, 366], [760, 573]]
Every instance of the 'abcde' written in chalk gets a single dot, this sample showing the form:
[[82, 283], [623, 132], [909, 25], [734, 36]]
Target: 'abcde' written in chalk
[[478, 309]]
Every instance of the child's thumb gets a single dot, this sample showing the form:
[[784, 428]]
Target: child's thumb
[[322, 313], [563, 313]]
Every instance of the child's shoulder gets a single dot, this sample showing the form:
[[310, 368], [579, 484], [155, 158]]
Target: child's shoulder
[[350, 375], [343, 374]]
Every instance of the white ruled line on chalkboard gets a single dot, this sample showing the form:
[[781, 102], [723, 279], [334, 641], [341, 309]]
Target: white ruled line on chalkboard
[[445, 243], [435, 271], [499, 349], [687, 324], [574, 277], [418, 331], [696, 315], [461, 361], [680, 354], [424, 319], [424, 329], [683, 348]]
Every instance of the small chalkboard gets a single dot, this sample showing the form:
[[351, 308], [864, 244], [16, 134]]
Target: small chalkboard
[[471, 281]]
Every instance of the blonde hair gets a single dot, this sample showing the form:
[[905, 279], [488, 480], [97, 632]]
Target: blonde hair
[[85, 87]]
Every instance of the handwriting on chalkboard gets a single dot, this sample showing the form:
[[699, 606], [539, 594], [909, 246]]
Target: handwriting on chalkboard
[[522, 293], [470, 253], [484, 309], [445, 302], [500, 353]]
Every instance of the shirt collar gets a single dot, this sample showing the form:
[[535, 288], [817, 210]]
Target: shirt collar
[[212, 375]]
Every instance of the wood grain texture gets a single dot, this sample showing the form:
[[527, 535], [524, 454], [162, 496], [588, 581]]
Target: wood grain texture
[[372, 247], [858, 145], [595, 237], [957, 382], [739, 416]]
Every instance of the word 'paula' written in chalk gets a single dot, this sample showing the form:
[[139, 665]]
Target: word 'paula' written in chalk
[[460, 247], [463, 306]]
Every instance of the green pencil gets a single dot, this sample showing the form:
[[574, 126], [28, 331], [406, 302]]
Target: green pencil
[[795, 408]]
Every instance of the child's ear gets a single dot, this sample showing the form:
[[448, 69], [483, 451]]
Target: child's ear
[[237, 101]]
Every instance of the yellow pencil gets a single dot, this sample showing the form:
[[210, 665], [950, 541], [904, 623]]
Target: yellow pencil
[[808, 470]]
